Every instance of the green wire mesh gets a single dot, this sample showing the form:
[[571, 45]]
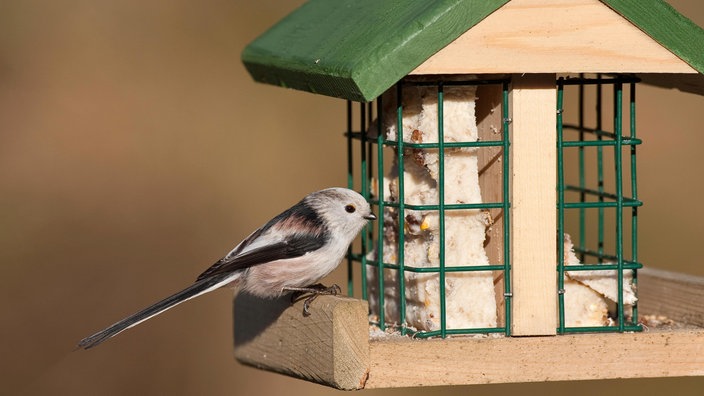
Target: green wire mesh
[[593, 203], [368, 158]]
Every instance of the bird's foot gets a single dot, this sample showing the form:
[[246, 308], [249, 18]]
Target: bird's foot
[[313, 291]]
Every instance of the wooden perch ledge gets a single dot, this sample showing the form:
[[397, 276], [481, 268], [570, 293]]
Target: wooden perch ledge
[[332, 346]]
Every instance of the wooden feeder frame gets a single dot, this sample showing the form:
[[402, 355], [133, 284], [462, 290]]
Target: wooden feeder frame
[[333, 345]]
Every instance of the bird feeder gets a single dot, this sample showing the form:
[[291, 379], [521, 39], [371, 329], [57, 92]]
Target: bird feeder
[[497, 142]]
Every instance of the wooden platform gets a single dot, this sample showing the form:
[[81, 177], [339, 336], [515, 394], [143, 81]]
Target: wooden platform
[[333, 347]]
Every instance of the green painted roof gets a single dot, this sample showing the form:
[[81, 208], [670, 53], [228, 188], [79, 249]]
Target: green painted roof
[[356, 49], [666, 26]]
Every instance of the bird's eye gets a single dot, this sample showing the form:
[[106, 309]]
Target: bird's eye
[[350, 209]]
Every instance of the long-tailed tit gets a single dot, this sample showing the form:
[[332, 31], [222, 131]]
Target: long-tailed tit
[[292, 252]]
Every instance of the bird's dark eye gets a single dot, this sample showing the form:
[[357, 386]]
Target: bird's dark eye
[[350, 209]]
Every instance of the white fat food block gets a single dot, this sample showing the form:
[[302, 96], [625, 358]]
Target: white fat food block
[[583, 305], [470, 299], [588, 294]]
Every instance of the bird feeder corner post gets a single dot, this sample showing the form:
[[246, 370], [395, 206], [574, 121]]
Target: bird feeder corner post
[[533, 155]]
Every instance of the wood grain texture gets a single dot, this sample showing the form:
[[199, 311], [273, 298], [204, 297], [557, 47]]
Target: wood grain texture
[[678, 296], [330, 347], [533, 156], [535, 359], [557, 36], [655, 353], [490, 163]]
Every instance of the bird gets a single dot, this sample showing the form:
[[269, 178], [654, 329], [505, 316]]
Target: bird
[[289, 254]]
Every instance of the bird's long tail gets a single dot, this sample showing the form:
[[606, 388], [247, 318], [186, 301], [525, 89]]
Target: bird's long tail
[[200, 287]]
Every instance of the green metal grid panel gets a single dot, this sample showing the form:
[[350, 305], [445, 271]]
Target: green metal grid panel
[[369, 148], [373, 147], [600, 141]]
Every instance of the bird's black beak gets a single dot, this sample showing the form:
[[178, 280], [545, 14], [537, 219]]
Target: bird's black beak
[[370, 216]]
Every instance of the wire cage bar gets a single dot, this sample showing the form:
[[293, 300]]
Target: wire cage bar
[[596, 199], [370, 257], [374, 156]]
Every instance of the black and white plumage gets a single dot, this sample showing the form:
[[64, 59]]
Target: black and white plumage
[[295, 249]]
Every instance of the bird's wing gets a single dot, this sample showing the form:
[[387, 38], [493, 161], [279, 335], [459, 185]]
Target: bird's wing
[[292, 233], [294, 246]]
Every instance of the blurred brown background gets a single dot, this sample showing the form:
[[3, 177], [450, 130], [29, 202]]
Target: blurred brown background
[[135, 150]]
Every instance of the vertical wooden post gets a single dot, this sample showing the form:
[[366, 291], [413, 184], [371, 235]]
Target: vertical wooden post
[[490, 163], [533, 204]]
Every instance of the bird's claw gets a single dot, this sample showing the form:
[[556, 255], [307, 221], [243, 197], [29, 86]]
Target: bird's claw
[[314, 291]]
